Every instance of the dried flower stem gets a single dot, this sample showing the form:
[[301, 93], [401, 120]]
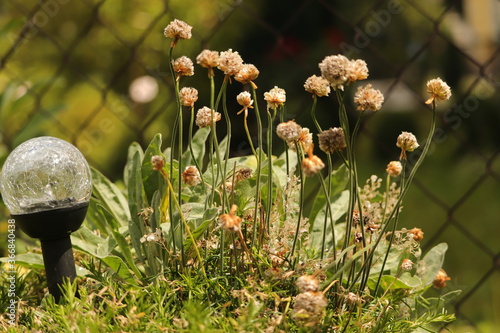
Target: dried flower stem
[[190, 144]]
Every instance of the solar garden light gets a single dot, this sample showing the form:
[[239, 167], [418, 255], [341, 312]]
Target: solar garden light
[[46, 184]]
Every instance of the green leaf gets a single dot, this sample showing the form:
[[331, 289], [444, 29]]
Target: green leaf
[[110, 197], [121, 269], [432, 262], [198, 143], [152, 179], [120, 240], [86, 241], [392, 283], [339, 204], [35, 261], [136, 201]]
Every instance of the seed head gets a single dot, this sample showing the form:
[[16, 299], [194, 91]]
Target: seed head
[[440, 279], [332, 139], [230, 221], [407, 265], [289, 131], [158, 162], [335, 70], [191, 176], [244, 99], [357, 70], [317, 85], [242, 174], [230, 62], [176, 30], [208, 59], [307, 283], [305, 140], [204, 117], [351, 298], [394, 168], [247, 74], [311, 165], [407, 142], [309, 305], [417, 234], [183, 66], [275, 98], [438, 89], [368, 98], [188, 96]]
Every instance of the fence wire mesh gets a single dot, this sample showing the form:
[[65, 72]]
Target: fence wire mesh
[[94, 72]]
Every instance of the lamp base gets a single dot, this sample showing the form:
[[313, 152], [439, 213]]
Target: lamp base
[[52, 224]]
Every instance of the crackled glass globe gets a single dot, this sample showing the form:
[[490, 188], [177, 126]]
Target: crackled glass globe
[[43, 174]]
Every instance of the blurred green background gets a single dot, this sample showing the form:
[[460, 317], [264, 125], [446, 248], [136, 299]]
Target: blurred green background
[[95, 73]]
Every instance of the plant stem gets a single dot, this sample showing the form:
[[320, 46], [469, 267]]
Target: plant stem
[[259, 162]]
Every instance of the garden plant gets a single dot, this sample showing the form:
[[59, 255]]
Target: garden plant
[[286, 239]]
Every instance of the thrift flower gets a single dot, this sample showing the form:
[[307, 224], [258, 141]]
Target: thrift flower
[[305, 140], [438, 89], [191, 176], [317, 85], [394, 168], [188, 96], [335, 70], [176, 30], [407, 142], [230, 62], [247, 74], [204, 117], [309, 305], [406, 265], [183, 66], [440, 279], [357, 70], [332, 139], [312, 164], [417, 234], [275, 98], [230, 221], [368, 98], [307, 283], [208, 59], [289, 131], [158, 162], [244, 99]]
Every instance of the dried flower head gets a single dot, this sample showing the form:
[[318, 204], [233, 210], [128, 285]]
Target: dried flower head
[[368, 98], [307, 283], [158, 162], [305, 140], [309, 305], [191, 176], [205, 116], [352, 298], [275, 98], [438, 89], [311, 165], [156, 236], [230, 221], [317, 85], [176, 30], [332, 139], [289, 131], [244, 99], [183, 66], [417, 234], [357, 70], [440, 279], [242, 174], [188, 96], [407, 265], [407, 142], [394, 168], [247, 74], [208, 59], [335, 69], [230, 62]]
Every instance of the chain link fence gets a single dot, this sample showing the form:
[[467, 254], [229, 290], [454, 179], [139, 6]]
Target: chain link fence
[[94, 72]]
